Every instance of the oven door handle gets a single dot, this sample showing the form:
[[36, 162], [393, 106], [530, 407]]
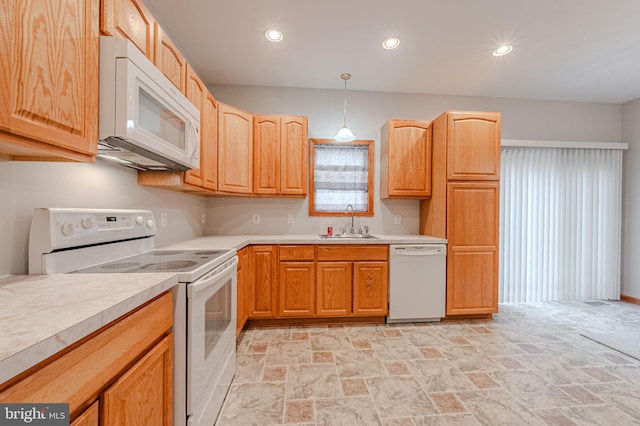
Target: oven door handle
[[212, 278]]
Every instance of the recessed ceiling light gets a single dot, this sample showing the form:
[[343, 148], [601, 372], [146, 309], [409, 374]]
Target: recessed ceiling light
[[391, 43], [502, 50], [273, 35]]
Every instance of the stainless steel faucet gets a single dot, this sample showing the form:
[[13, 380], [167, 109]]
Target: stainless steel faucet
[[352, 230]]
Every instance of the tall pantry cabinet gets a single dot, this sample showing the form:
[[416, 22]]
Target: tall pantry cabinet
[[464, 207]]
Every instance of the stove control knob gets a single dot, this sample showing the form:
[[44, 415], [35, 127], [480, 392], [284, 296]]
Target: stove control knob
[[149, 223], [88, 222], [139, 220], [68, 229]]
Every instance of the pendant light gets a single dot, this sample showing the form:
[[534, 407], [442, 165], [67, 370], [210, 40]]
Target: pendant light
[[345, 135]]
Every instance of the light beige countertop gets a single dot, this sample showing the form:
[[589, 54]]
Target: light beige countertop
[[43, 314], [239, 241]]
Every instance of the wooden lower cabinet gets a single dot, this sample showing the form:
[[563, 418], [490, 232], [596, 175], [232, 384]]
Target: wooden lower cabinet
[[143, 395], [296, 282], [262, 297], [90, 416], [370, 288], [472, 258], [244, 288], [334, 289], [127, 366]]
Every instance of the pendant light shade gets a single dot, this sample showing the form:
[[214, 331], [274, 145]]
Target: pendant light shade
[[345, 134]]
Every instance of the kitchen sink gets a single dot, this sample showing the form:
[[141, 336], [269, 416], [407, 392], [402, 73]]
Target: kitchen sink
[[348, 236]]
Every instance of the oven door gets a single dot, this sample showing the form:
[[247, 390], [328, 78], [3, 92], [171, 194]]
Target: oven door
[[211, 342]]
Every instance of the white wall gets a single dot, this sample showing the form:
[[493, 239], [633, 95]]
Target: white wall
[[366, 113], [27, 185], [631, 200]]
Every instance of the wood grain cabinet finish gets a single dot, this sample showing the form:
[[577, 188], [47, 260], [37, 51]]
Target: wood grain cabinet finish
[[334, 289], [263, 282], [196, 92], [169, 60], [129, 19], [143, 395], [296, 292], [90, 416], [49, 79], [235, 150], [473, 146], [405, 159], [472, 266], [280, 155], [244, 288], [370, 288], [130, 359]]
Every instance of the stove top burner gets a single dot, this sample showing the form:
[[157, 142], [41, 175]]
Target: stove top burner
[[121, 265], [170, 265], [165, 252]]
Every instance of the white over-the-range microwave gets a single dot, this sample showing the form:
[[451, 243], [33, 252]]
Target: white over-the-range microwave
[[144, 121]]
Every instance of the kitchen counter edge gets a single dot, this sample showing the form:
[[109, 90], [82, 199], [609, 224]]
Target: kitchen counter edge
[[44, 314]]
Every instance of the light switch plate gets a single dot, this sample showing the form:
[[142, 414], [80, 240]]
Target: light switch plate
[[256, 218], [397, 219], [291, 218]]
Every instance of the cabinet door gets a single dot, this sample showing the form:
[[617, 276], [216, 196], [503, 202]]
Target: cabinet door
[[196, 93], [266, 154], [144, 394], [293, 158], [408, 159], [296, 294], [209, 147], [263, 290], [370, 288], [49, 78], [473, 146], [89, 417], [169, 60], [472, 264], [129, 19], [333, 289], [235, 150], [243, 289]]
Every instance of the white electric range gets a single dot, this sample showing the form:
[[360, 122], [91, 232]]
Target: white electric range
[[90, 241]]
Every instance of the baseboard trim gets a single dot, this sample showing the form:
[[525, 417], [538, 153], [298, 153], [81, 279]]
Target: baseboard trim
[[630, 299]]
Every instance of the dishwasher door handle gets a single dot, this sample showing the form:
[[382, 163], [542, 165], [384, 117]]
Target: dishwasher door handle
[[419, 251]]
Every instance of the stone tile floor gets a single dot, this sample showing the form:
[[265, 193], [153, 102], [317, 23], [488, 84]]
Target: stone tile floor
[[529, 366]]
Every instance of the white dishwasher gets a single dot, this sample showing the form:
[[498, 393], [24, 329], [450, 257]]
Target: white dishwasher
[[417, 282]]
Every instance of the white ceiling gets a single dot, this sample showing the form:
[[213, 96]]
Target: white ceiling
[[574, 50]]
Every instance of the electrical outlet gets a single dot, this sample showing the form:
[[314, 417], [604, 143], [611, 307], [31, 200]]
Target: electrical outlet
[[203, 218], [291, 218], [163, 220], [256, 218], [397, 219]]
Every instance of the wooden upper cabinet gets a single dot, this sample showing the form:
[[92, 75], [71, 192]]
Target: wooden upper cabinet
[[406, 159], [49, 79], [294, 155], [473, 146], [169, 60], [266, 154], [129, 19], [235, 150], [209, 146], [196, 92], [280, 155]]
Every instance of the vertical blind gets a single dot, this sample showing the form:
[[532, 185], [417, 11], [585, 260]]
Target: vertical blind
[[560, 224]]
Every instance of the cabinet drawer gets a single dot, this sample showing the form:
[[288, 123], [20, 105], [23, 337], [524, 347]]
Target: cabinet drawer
[[82, 373], [353, 252], [297, 252]]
